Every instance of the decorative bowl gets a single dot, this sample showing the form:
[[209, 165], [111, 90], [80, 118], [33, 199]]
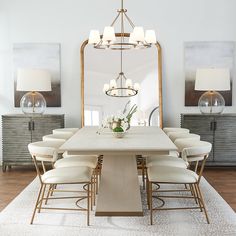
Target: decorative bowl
[[118, 134]]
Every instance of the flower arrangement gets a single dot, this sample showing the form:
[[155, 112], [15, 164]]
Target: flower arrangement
[[120, 122]]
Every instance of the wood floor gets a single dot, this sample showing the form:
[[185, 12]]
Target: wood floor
[[14, 181]]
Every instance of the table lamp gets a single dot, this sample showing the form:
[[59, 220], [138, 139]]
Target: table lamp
[[33, 80], [212, 80]]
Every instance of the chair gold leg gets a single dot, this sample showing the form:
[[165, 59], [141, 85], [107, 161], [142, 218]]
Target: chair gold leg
[[41, 202], [97, 173], [193, 192], [198, 197], [89, 194], [203, 204], [143, 172], [150, 201], [44, 169], [92, 194], [49, 191], [37, 201], [94, 190], [147, 191]]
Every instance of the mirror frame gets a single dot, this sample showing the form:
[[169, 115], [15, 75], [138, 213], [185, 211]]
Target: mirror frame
[[159, 74]]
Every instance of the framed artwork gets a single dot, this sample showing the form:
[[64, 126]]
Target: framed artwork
[[207, 55], [44, 56]]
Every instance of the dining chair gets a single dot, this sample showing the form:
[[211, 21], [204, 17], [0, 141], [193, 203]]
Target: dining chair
[[74, 160], [177, 176], [173, 159], [80, 175]]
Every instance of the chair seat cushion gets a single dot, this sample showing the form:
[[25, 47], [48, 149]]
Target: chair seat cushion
[[90, 161], [166, 161], [168, 174], [67, 175]]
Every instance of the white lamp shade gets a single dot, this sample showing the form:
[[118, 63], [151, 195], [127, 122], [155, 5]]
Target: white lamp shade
[[114, 92], [94, 37], [212, 79], [138, 34], [136, 86], [128, 83], [33, 80], [109, 34], [131, 39], [150, 36], [113, 83], [105, 87]]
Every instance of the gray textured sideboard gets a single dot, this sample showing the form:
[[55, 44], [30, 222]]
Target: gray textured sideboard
[[19, 130], [220, 130]]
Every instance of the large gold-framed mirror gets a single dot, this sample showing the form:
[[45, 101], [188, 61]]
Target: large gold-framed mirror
[[100, 66]]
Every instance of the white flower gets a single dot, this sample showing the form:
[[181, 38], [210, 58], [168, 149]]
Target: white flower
[[125, 126], [116, 119], [109, 119]]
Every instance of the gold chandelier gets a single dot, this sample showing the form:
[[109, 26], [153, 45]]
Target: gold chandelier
[[121, 86], [122, 41]]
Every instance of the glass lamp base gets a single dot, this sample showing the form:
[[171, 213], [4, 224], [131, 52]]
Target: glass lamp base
[[211, 102], [33, 103]]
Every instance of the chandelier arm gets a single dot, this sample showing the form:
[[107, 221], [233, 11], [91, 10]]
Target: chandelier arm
[[129, 20], [114, 21]]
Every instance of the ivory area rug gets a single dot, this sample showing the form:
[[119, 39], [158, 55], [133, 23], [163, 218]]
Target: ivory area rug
[[15, 218]]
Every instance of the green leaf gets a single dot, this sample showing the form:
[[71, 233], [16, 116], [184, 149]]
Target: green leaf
[[118, 129]]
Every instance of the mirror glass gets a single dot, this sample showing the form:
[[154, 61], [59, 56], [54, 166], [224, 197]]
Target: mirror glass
[[101, 66]]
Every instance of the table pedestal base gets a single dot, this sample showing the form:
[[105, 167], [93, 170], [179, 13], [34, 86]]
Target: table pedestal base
[[119, 190]]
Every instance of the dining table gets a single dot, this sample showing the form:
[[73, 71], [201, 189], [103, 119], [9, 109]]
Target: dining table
[[119, 191]]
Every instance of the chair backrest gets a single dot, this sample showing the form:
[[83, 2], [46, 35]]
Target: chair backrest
[[182, 143], [176, 135], [57, 137], [198, 153], [45, 150], [65, 130], [168, 130]]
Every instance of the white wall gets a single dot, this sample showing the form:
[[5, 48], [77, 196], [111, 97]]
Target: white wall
[[69, 21]]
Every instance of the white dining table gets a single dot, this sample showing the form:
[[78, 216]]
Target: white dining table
[[119, 189]]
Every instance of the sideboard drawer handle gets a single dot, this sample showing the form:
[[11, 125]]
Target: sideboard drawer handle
[[32, 125], [215, 125], [211, 125], [29, 125]]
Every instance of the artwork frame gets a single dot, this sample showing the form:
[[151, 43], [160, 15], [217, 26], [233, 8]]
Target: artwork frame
[[207, 54], [46, 56]]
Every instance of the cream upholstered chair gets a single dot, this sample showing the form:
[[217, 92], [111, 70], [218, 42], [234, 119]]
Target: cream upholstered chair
[[168, 130], [174, 159], [66, 175], [74, 160], [175, 175], [171, 159]]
